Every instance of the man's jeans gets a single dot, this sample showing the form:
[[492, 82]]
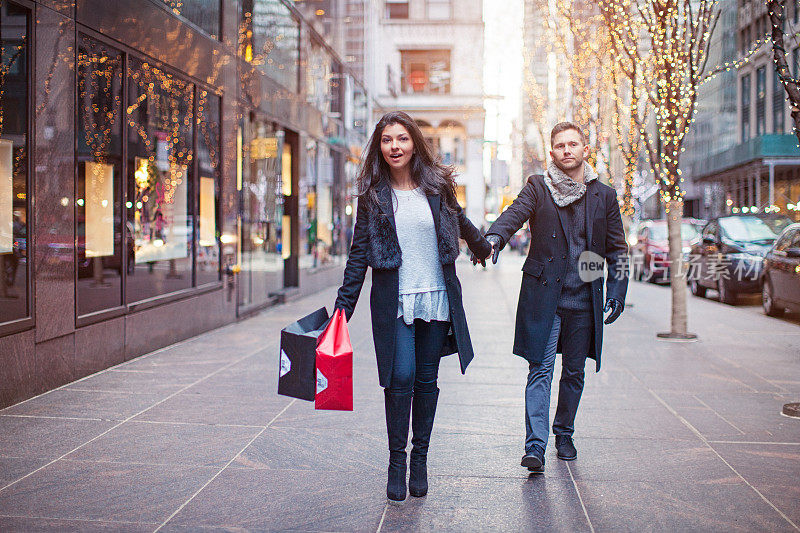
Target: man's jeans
[[575, 330]]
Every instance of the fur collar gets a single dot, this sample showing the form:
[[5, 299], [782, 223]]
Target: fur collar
[[564, 189], [383, 251]]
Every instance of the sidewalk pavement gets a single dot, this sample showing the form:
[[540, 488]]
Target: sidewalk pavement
[[670, 436]]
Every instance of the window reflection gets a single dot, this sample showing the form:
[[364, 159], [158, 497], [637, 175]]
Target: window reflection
[[14, 268], [269, 38], [159, 183], [208, 249], [308, 209], [319, 75], [99, 161], [203, 13], [262, 212]]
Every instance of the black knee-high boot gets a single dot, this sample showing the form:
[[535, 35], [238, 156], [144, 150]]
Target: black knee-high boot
[[398, 412], [424, 410]]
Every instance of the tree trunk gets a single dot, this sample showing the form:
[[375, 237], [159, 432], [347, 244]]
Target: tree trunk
[[677, 275]]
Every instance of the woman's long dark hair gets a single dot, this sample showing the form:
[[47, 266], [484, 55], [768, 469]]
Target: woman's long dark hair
[[427, 171]]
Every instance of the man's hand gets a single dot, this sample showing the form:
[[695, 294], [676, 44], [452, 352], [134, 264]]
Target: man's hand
[[616, 307], [497, 242]]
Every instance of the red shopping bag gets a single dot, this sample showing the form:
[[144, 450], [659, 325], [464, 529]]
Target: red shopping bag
[[335, 366]]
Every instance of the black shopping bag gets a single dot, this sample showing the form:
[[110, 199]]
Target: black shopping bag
[[297, 377]]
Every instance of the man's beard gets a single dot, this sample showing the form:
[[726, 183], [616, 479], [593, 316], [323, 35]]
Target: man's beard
[[569, 166]]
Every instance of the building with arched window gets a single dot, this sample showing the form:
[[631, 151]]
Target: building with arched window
[[428, 61]]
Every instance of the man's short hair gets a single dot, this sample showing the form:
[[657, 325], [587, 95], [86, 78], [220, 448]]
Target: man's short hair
[[564, 126]]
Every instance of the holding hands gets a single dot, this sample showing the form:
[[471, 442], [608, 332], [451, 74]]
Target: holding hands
[[492, 246]]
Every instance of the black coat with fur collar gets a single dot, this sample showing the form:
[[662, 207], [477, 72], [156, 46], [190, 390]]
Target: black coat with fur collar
[[375, 245]]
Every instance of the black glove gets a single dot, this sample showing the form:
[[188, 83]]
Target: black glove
[[497, 242], [485, 251], [616, 307]]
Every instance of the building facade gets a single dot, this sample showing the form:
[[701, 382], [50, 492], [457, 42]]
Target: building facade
[[165, 167], [427, 60], [754, 164]]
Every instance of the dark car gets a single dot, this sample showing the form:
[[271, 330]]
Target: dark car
[[729, 257], [780, 288], [650, 253]]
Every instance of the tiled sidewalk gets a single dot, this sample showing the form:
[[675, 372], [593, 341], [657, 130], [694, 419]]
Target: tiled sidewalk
[[670, 436]]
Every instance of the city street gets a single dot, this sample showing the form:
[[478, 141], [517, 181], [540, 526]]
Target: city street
[[670, 436]]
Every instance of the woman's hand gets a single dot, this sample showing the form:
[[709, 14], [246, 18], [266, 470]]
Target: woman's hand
[[483, 253]]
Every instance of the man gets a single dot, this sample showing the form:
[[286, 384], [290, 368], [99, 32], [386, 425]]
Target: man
[[572, 217]]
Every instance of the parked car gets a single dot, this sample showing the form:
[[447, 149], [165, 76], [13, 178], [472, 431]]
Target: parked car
[[730, 254], [776, 222], [650, 253], [780, 287]]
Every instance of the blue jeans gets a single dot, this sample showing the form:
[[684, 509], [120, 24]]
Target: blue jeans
[[575, 330], [418, 349]]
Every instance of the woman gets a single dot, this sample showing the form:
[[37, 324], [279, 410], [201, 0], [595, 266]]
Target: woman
[[407, 228]]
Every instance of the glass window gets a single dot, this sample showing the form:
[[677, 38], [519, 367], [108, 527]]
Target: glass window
[[262, 212], [439, 9], [100, 237], [160, 156], [786, 240], [396, 9], [360, 112], [323, 247], [308, 208], [204, 14], [319, 75], [761, 100], [208, 147], [778, 108], [795, 62], [425, 71], [746, 229], [269, 38], [745, 96], [14, 193]]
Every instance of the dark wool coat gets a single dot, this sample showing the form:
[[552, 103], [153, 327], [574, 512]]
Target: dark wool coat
[[375, 245], [546, 265]]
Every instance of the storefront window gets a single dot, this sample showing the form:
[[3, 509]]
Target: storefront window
[[208, 246], [159, 181], [269, 38], [262, 213], [203, 13], [100, 259], [14, 192]]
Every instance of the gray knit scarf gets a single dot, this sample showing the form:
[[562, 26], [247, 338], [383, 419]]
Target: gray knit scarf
[[564, 189]]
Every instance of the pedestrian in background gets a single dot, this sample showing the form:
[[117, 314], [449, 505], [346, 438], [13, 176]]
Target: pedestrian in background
[[407, 229], [569, 212]]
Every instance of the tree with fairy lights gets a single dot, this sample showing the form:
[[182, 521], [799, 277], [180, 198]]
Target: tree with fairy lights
[[777, 15], [629, 111], [662, 47]]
